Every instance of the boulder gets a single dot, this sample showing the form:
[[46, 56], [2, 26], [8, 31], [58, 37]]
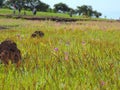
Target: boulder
[[37, 34], [9, 52]]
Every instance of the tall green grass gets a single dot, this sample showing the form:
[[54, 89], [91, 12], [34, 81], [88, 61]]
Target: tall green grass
[[71, 56]]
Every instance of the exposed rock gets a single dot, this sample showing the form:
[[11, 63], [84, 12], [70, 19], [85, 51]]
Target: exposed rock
[[37, 34], [9, 52]]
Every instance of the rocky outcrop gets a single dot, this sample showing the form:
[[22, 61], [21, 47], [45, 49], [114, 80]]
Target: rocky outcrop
[[9, 52], [37, 34]]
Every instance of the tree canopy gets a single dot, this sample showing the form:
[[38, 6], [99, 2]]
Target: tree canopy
[[87, 10], [1, 3], [29, 4], [61, 7]]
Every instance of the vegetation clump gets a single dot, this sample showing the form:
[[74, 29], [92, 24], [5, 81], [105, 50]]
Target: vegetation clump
[[37, 34], [9, 52]]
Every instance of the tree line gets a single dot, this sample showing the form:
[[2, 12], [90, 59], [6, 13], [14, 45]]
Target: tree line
[[37, 5]]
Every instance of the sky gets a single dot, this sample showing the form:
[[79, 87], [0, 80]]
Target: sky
[[108, 8]]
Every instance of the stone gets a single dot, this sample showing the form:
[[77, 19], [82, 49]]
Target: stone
[[9, 52], [37, 34]]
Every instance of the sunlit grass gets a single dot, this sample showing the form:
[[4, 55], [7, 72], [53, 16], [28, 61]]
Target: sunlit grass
[[42, 14], [45, 14], [71, 56]]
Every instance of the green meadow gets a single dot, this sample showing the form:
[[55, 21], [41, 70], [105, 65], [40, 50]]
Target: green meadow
[[82, 55], [45, 14]]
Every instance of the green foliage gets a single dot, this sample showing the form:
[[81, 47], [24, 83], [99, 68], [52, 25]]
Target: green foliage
[[88, 11], [1, 3], [97, 14], [71, 56], [42, 6], [61, 7], [29, 4], [83, 9]]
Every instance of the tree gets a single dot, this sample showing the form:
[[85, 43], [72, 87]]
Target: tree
[[1, 3], [89, 11], [97, 14], [33, 5], [82, 10], [61, 7], [71, 12], [41, 6], [18, 4], [85, 10]]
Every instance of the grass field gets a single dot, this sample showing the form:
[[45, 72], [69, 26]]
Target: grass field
[[82, 55], [47, 14]]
